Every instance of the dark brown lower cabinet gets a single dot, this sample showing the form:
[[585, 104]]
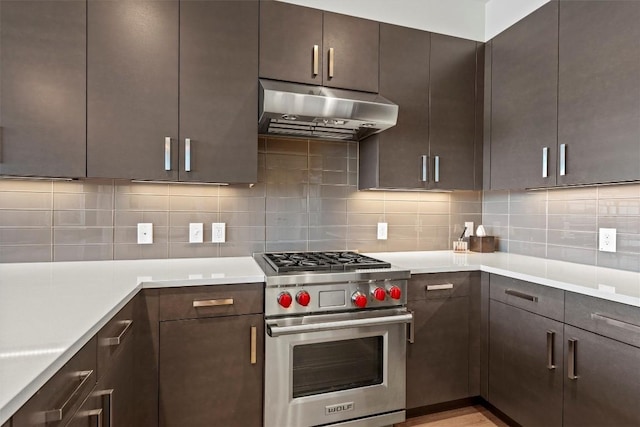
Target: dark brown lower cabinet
[[605, 387], [211, 371], [525, 365]]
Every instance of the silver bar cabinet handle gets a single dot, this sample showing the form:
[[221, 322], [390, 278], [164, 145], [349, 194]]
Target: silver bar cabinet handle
[[187, 154], [315, 59], [59, 414], [94, 413], [522, 295], [118, 340], [571, 368], [442, 287], [412, 328], [550, 350], [617, 323], [109, 395], [563, 159], [424, 168], [167, 153], [331, 59], [545, 162], [254, 345], [436, 169], [212, 302], [275, 331]]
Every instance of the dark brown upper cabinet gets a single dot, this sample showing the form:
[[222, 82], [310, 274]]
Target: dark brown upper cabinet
[[305, 45], [433, 80], [392, 159], [42, 88], [524, 102], [172, 88], [599, 92]]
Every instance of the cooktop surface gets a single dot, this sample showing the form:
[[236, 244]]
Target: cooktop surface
[[283, 262]]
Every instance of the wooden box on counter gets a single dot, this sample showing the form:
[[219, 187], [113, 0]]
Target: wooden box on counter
[[482, 244]]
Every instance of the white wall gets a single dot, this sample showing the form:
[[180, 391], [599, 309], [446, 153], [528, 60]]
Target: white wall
[[460, 18], [501, 14]]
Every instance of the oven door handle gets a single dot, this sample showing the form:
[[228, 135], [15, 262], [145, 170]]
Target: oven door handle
[[275, 331]]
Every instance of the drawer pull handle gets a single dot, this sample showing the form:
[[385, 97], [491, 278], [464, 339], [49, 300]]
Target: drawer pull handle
[[545, 162], [315, 59], [615, 322], [93, 413], [563, 159], [59, 414], [118, 340], [212, 302], [436, 169], [254, 345], [442, 287], [550, 350], [412, 328], [571, 368], [187, 154], [522, 295], [425, 162], [109, 395], [331, 59], [167, 153]]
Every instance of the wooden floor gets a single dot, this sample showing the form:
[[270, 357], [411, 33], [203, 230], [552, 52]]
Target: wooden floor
[[470, 416]]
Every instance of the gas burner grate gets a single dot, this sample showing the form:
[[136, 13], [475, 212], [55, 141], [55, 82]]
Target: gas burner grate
[[283, 262]]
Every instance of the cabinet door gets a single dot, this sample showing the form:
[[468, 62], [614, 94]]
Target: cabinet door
[[522, 382], [288, 34], [452, 113], [132, 89], [438, 359], [606, 390], [393, 159], [599, 91], [355, 44], [524, 102], [219, 91], [42, 88], [206, 372]]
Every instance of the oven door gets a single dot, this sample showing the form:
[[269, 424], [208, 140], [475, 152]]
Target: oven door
[[330, 368]]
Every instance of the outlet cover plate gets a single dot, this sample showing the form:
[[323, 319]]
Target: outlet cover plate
[[218, 232], [145, 233], [607, 240], [469, 225], [196, 234], [382, 231]]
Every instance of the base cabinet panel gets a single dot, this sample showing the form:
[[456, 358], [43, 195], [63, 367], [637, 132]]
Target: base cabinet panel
[[607, 388], [206, 373], [525, 369]]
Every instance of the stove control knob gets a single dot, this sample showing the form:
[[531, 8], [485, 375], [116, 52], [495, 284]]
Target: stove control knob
[[303, 298], [284, 299], [359, 299], [379, 294], [395, 292]]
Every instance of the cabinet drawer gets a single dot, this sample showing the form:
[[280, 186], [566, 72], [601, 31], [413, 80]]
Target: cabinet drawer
[[440, 285], [114, 336], [211, 301], [57, 400], [529, 296], [611, 319]]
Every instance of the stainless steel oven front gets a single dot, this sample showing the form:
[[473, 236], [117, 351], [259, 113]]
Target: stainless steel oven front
[[336, 369]]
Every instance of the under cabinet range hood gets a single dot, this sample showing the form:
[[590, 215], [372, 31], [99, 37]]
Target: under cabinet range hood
[[292, 109]]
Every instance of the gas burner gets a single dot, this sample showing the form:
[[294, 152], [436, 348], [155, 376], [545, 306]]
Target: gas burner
[[283, 262]]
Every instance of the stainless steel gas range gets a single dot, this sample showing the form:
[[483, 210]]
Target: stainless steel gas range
[[335, 347]]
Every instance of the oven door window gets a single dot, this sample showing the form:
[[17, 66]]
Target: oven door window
[[337, 365]]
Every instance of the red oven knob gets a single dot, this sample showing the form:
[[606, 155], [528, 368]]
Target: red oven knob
[[284, 299], [303, 298], [359, 299], [379, 294], [395, 292]]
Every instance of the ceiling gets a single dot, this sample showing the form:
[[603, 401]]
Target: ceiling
[[479, 20]]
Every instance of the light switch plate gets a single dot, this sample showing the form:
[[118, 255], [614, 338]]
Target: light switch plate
[[607, 240], [218, 232], [196, 234], [469, 225], [145, 233], [382, 231]]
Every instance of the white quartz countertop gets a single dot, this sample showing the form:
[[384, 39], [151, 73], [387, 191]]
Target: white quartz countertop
[[48, 311], [606, 283]]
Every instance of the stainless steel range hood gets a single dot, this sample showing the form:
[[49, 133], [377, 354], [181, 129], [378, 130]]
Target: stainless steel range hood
[[291, 109]]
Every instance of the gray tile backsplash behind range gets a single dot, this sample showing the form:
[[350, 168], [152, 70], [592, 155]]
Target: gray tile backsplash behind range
[[306, 199]]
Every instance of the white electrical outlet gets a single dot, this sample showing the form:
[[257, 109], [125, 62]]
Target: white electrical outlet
[[196, 234], [218, 233], [607, 240], [145, 233], [382, 231], [469, 225]]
